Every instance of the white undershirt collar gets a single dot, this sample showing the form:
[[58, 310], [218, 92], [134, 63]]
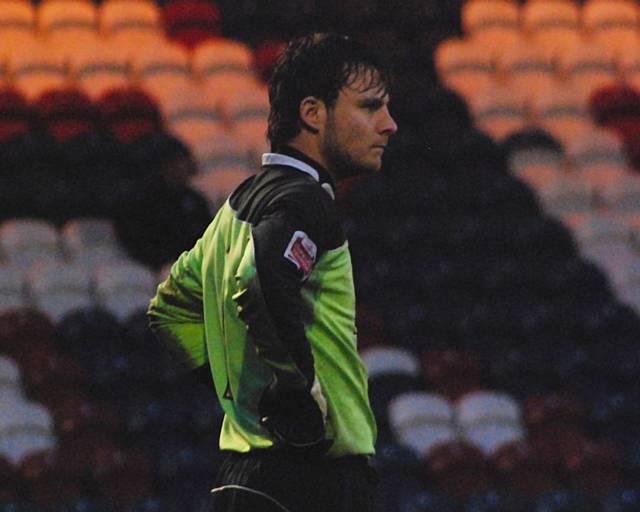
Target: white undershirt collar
[[289, 161]]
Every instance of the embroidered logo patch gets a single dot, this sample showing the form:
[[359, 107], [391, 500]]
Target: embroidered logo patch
[[302, 252]]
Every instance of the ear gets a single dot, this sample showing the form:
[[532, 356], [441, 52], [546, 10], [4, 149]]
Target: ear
[[313, 114]]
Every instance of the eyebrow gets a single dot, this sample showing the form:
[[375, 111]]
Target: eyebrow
[[372, 102]]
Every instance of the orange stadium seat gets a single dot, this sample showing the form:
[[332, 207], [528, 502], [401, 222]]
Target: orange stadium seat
[[629, 62], [101, 65], [69, 24], [161, 68], [248, 113], [464, 66], [37, 67], [17, 25], [225, 66], [614, 23], [495, 23], [553, 23], [134, 22], [589, 65], [527, 66], [500, 110]]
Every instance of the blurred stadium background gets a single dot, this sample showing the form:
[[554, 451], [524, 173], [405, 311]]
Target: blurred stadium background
[[496, 257]]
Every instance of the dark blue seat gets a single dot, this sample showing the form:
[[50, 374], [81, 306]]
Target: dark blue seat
[[495, 501], [562, 501], [83, 505], [427, 501], [622, 500]]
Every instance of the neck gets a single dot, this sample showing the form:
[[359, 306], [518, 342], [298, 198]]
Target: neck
[[311, 149]]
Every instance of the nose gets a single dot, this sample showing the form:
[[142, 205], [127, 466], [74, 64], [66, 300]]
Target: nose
[[387, 125]]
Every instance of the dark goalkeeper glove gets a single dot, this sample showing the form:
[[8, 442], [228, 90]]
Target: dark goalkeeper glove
[[294, 418]]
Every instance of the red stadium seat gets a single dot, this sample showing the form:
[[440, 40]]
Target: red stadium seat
[[554, 416], [265, 57], [23, 328], [459, 469], [191, 21], [451, 372], [596, 467], [520, 468], [48, 479], [49, 374], [9, 481], [67, 112], [16, 115], [129, 113]]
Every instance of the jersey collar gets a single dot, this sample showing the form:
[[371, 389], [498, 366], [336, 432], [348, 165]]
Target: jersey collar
[[290, 157]]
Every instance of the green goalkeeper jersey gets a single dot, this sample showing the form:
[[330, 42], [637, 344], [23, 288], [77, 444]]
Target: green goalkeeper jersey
[[255, 302]]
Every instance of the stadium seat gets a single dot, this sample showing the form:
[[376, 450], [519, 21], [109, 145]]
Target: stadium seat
[[566, 194], [59, 288], [421, 421], [192, 113], [521, 468], [617, 107], [613, 24], [67, 112], [225, 66], [161, 68], [265, 56], [489, 420], [621, 500], [221, 152], [101, 65], [553, 24], [10, 381], [562, 111], [22, 329], [392, 371], [129, 113], [599, 158], [25, 428], [494, 23], [190, 22], [629, 62], [527, 66], [120, 476], [38, 67], [28, 241], [496, 501], [500, 110], [614, 416], [464, 66], [136, 23], [12, 294], [427, 501], [596, 468], [534, 155], [47, 479], [459, 469], [451, 372], [622, 196], [562, 500], [68, 24], [248, 113], [90, 241], [17, 116], [589, 66], [17, 25], [124, 287]]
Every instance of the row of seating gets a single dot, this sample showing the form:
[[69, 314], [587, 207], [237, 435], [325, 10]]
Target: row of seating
[[186, 21], [556, 24]]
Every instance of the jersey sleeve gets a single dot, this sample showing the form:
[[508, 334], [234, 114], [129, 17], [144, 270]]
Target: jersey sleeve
[[288, 240], [176, 312]]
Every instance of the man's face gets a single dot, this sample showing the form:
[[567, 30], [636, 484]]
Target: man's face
[[357, 129]]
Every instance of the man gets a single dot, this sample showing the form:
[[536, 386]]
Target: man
[[266, 296]]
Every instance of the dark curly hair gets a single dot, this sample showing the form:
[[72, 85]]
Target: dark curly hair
[[319, 65]]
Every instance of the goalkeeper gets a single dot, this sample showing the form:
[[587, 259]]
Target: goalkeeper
[[266, 295]]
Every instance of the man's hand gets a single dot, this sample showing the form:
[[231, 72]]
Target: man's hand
[[294, 418]]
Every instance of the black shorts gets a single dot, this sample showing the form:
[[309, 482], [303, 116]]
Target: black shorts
[[273, 481]]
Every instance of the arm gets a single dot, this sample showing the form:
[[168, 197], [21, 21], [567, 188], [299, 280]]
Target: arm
[[175, 313]]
